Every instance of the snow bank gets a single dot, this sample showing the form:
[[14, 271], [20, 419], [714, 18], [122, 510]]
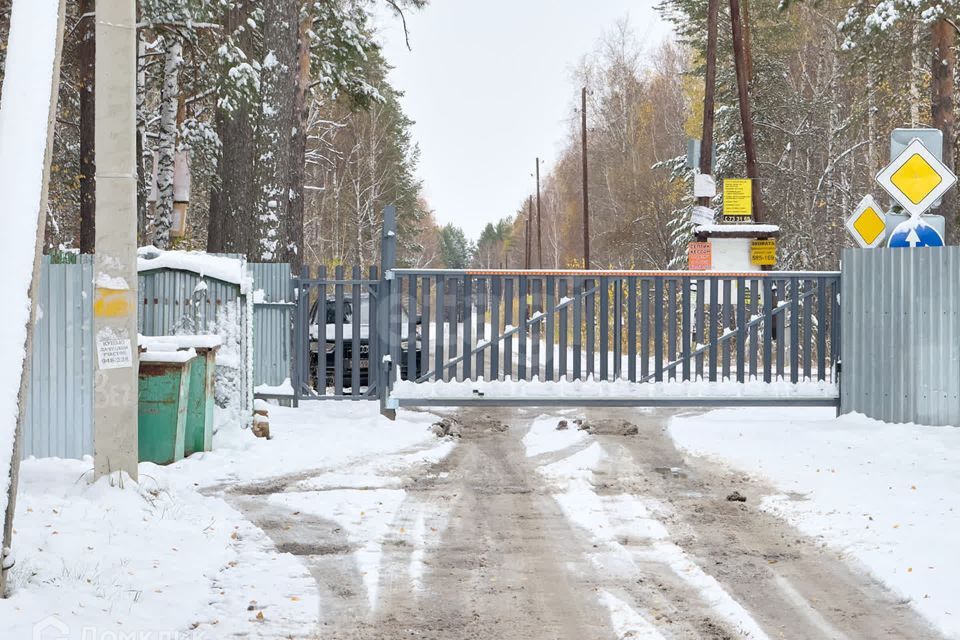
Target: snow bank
[[24, 112], [883, 495], [232, 270], [170, 557], [153, 558]]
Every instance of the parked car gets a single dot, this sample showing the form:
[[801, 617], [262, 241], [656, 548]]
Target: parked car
[[353, 355]]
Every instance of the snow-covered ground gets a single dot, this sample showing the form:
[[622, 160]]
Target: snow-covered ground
[[881, 495], [170, 555]]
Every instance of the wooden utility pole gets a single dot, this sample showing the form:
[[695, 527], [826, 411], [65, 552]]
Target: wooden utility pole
[[746, 118], [747, 40], [583, 160], [527, 241], [88, 167], [709, 93], [539, 222], [941, 111]]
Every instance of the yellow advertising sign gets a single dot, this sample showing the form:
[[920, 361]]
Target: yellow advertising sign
[[763, 252], [738, 199]]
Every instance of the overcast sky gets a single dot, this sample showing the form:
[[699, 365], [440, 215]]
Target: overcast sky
[[489, 84]]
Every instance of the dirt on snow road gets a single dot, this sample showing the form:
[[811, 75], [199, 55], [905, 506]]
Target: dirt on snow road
[[489, 543]]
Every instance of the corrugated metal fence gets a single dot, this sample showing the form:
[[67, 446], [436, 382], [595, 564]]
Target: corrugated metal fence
[[272, 322], [901, 334], [59, 415]]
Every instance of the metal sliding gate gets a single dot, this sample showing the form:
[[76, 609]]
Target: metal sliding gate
[[415, 337], [775, 333], [335, 335]]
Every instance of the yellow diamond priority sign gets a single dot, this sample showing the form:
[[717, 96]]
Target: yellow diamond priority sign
[[867, 225], [916, 179]]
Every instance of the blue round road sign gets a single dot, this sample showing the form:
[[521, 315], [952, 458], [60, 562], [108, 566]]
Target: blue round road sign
[[914, 233]]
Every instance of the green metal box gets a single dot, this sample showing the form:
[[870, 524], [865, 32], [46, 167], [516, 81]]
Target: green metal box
[[164, 398], [198, 435]]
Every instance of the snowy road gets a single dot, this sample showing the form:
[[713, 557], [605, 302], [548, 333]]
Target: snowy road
[[530, 532]]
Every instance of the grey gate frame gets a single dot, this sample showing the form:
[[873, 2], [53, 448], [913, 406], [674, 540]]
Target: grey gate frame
[[333, 294], [640, 326]]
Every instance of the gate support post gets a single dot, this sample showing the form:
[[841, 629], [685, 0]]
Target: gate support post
[[385, 293]]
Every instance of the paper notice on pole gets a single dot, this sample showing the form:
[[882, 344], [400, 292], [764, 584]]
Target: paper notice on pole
[[114, 349], [702, 215], [704, 186]]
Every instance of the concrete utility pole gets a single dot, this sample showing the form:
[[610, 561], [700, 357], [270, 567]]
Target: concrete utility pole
[[539, 221], [583, 161], [709, 91], [746, 117], [115, 298]]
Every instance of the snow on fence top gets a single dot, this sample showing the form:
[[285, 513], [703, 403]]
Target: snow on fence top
[[233, 270], [24, 113], [175, 343], [721, 229]]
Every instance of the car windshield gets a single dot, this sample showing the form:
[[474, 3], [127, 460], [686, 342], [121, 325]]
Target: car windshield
[[348, 312]]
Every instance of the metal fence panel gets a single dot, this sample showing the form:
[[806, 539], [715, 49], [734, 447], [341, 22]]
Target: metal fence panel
[[273, 307], [901, 334], [59, 409]]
